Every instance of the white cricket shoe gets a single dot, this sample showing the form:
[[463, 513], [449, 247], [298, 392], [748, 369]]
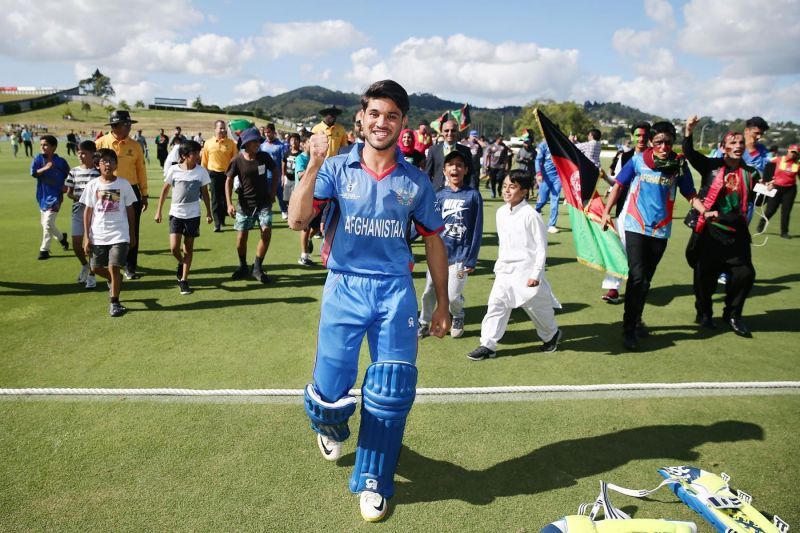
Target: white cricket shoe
[[331, 449], [553, 229], [91, 281], [84, 274], [373, 506]]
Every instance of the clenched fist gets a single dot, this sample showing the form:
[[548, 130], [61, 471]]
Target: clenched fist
[[318, 146]]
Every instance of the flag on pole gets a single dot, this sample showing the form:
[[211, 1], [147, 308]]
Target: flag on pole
[[598, 249], [436, 125], [461, 116]]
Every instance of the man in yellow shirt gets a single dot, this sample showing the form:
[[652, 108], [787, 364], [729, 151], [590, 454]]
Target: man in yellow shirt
[[215, 157], [131, 167], [337, 137]]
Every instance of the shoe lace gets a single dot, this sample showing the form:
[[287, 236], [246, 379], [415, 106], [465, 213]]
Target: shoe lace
[[372, 498]]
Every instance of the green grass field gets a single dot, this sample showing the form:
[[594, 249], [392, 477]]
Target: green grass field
[[511, 464], [149, 121]]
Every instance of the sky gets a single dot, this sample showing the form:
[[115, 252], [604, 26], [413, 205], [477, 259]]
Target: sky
[[719, 58]]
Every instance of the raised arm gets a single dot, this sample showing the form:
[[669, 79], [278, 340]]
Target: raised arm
[[301, 204]]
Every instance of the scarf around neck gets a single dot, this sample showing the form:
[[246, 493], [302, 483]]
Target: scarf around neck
[[669, 166], [738, 191]]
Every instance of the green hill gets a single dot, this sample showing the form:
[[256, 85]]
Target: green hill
[[303, 104]]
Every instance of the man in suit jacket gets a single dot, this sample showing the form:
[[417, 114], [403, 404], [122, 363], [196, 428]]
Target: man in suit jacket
[[434, 163]]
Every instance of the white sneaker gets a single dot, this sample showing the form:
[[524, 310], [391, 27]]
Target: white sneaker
[[457, 327], [84, 274], [553, 229], [331, 449], [284, 216], [91, 281], [373, 506]]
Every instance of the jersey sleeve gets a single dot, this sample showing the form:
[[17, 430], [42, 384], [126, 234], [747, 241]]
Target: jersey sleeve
[[325, 187], [70, 181], [427, 217], [625, 176]]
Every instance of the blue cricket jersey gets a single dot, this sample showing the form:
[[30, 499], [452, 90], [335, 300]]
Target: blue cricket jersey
[[652, 196], [544, 162], [462, 212], [368, 227], [757, 158]]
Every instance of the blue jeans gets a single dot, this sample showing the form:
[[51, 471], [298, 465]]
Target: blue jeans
[[550, 188]]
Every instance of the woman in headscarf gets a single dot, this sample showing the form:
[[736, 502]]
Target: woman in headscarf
[[410, 154]]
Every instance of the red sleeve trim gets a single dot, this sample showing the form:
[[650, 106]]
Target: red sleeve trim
[[422, 230], [319, 205]]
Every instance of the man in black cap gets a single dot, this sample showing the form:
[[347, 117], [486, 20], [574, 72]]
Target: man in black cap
[[337, 136], [131, 167]]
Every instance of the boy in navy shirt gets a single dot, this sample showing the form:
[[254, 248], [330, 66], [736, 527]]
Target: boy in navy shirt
[[462, 212]]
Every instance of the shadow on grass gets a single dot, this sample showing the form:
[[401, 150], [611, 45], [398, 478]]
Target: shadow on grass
[[557, 465], [662, 296], [152, 304], [603, 338]]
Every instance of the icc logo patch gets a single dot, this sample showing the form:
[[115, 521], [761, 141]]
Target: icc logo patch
[[411, 321], [349, 189]]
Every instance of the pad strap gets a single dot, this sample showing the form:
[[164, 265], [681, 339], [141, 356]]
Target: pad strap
[[329, 419]]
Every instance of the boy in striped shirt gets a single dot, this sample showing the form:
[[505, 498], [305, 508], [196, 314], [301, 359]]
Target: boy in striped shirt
[[76, 181]]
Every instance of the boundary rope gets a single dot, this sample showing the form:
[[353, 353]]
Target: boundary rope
[[521, 389]]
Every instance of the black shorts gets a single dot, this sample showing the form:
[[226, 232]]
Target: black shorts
[[188, 227]]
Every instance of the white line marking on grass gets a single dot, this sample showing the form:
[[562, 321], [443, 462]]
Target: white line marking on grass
[[431, 395]]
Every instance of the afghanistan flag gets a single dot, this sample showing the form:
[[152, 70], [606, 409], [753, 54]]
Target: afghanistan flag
[[461, 116], [596, 248], [436, 125]]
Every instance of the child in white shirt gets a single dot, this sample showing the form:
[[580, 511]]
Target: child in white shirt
[[189, 182], [520, 278], [107, 220]]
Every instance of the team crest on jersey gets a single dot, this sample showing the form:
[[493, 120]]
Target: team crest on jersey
[[350, 189], [404, 196]]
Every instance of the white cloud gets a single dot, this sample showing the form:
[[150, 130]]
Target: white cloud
[[660, 63], [189, 88], [680, 95], [755, 39], [207, 54], [53, 31], [631, 42], [456, 65], [308, 38], [256, 88], [660, 12], [131, 92]]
